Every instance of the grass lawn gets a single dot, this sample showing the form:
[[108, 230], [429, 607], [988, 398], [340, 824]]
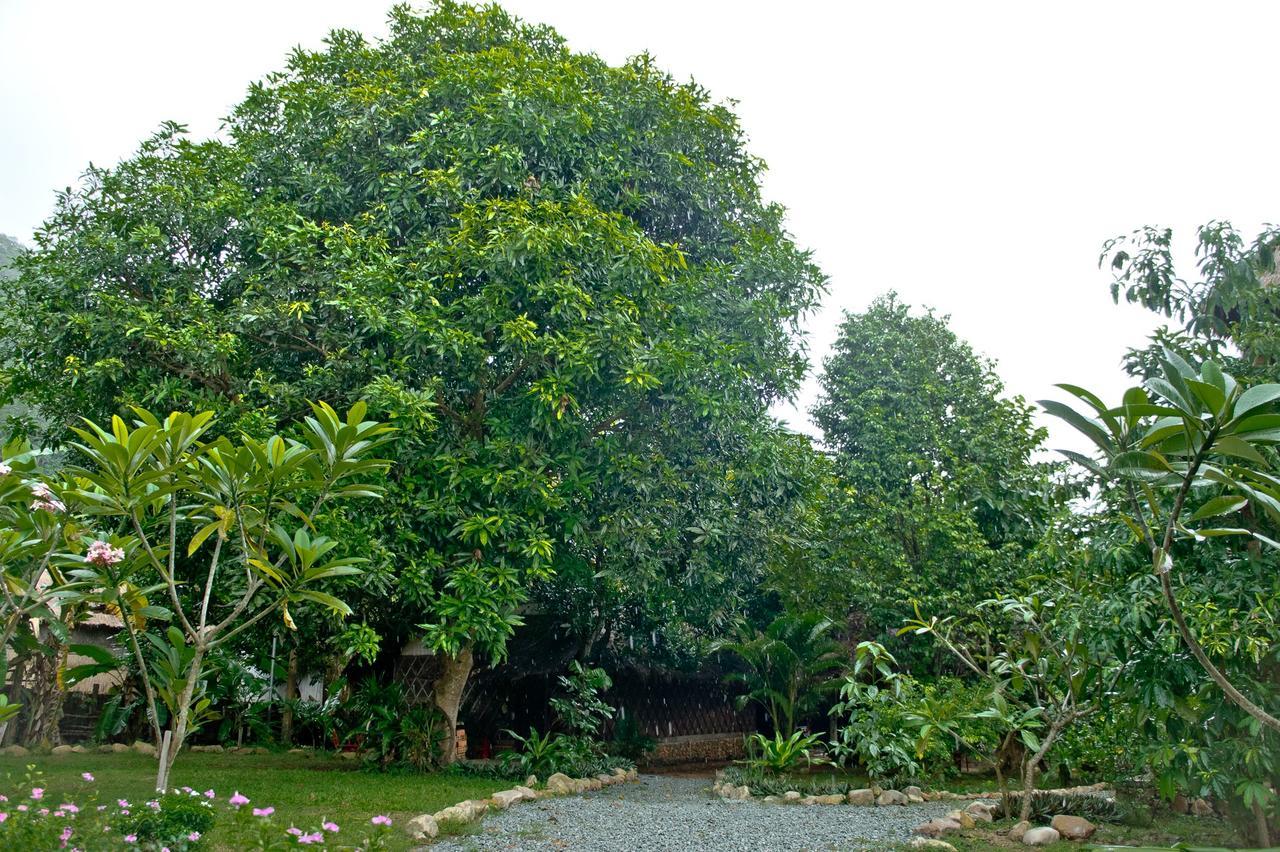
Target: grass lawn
[[303, 788]]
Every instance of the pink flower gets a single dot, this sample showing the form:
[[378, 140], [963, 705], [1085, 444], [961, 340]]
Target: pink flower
[[237, 800], [294, 830], [22, 807], [131, 838], [44, 812], [124, 812], [69, 808], [154, 805], [208, 794], [5, 470], [102, 807], [102, 553], [59, 813], [66, 835], [329, 826], [37, 793], [311, 838], [381, 819], [263, 812], [3, 798], [124, 803], [193, 836], [3, 816], [88, 776]]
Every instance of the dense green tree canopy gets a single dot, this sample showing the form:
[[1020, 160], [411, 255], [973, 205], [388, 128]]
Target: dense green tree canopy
[[516, 253], [936, 498]]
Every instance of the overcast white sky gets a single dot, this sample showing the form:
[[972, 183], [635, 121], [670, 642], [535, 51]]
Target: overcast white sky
[[972, 156]]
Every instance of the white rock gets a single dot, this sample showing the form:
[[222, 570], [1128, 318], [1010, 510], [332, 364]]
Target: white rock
[[423, 827], [1040, 836], [504, 799], [861, 797], [891, 797], [561, 784], [791, 796], [930, 843], [531, 781]]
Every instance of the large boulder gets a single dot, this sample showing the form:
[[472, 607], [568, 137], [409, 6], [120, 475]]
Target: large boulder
[[119, 748], [144, 748], [423, 827], [1201, 808], [61, 749], [561, 784], [891, 797], [467, 811], [526, 794], [833, 799], [965, 819], [914, 794], [861, 797], [981, 811], [504, 799], [936, 827], [1040, 836], [1019, 828], [1073, 827], [15, 751], [740, 794], [531, 781], [791, 796]]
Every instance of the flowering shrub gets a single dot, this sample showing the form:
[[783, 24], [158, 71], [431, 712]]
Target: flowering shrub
[[34, 817]]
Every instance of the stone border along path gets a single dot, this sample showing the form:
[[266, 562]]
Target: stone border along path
[[667, 814]]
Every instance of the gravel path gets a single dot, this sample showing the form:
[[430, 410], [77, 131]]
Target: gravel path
[[664, 814]]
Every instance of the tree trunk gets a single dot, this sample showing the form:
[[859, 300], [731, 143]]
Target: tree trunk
[[180, 724], [44, 699], [18, 672], [448, 697], [290, 695], [1029, 768]]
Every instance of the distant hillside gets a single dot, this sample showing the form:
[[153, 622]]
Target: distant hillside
[[9, 249]]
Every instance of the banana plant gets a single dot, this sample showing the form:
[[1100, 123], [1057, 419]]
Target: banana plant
[[1190, 448]]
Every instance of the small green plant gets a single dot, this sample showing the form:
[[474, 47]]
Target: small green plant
[[174, 821], [780, 754], [629, 741], [580, 708], [543, 755]]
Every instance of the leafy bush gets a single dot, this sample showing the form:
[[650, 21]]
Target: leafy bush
[[779, 754], [172, 821], [1044, 805], [764, 783], [629, 741], [580, 708], [393, 732], [544, 755]]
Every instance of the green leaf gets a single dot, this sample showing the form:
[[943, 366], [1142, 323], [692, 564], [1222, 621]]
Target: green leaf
[[1220, 506]]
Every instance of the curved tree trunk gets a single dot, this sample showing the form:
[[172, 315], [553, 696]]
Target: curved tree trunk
[[45, 697], [290, 695], [448, 697]]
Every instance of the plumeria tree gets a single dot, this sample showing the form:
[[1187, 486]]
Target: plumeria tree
[[229, 531], [33, 528], [1190, 448]]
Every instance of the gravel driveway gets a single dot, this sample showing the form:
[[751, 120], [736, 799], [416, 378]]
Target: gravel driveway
[[662, 813]]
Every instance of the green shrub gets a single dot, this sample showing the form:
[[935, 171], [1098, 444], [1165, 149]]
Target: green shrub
[[764, 783], [1045, 805], [545, 755], [629, 741], [778, 754], [178, 822]]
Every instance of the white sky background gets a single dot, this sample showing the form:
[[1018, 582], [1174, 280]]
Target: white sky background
[[972, 156]]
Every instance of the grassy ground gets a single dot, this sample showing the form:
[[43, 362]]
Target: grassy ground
[[303, 788], [1168, 830]]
